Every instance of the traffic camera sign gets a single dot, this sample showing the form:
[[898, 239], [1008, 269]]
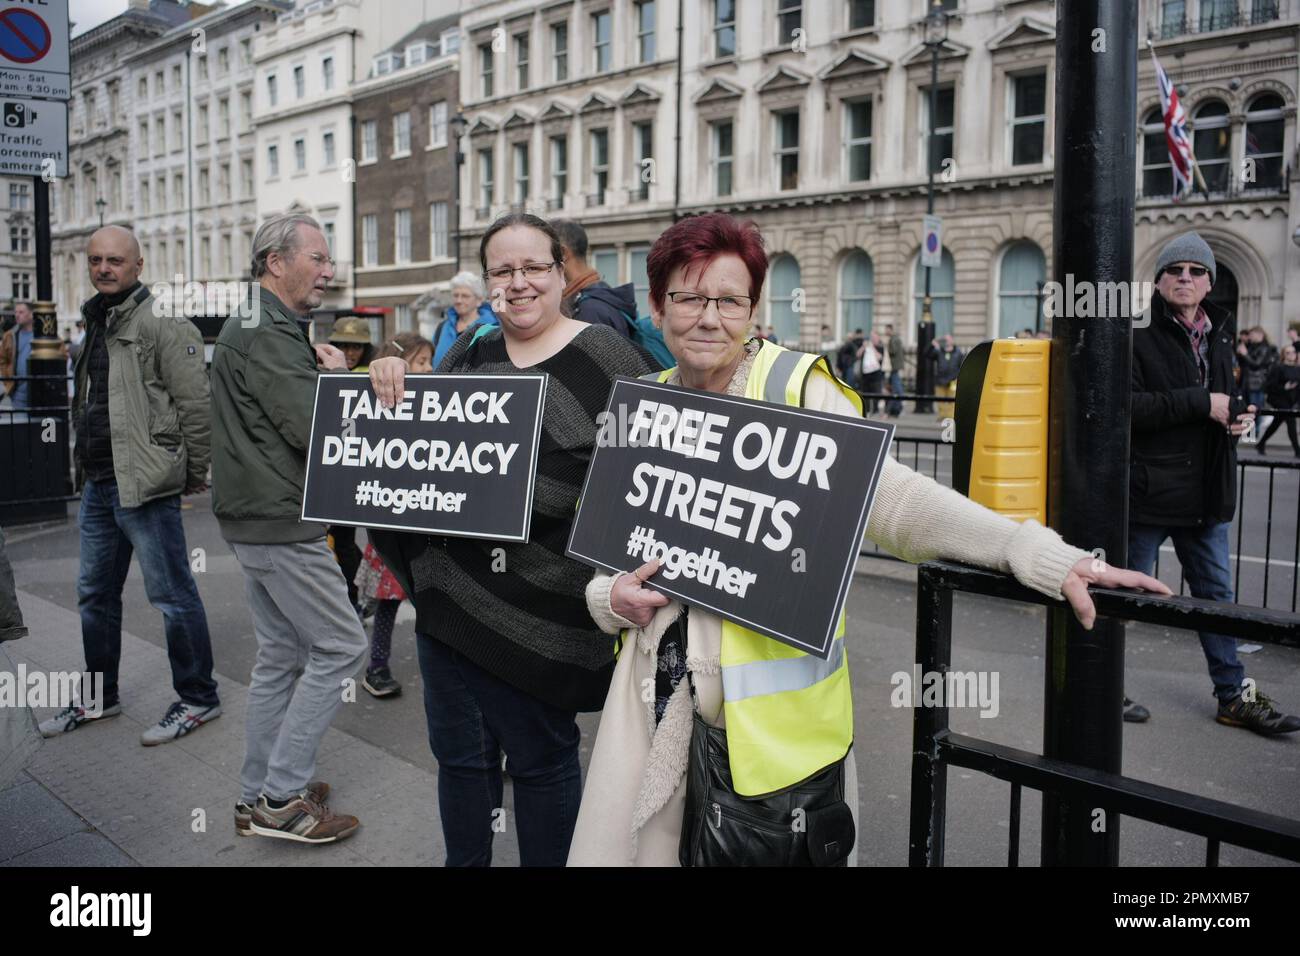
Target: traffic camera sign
[[34, 58], [32, 132]]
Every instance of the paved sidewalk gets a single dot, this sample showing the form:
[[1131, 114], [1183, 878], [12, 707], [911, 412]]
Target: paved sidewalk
[[85, 798]]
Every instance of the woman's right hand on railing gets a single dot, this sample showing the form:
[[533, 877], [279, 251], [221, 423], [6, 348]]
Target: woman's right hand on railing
[[388, 379]]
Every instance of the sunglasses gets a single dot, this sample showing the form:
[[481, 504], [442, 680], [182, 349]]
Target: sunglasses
[[1176, 271]]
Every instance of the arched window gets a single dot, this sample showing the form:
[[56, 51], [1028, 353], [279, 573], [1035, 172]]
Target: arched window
[[942, 285], [857, 293], [1265, 130], [1210, 143], [1157, 175], [1023, 269], [785, 280]]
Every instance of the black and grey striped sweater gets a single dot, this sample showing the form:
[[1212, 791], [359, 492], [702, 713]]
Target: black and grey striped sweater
[[528, 625]]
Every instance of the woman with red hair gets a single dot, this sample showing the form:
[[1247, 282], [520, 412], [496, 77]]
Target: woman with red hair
[[777, 723]]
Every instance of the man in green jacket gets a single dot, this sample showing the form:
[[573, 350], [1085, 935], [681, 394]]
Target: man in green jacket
[[263, 394], [141, 416]]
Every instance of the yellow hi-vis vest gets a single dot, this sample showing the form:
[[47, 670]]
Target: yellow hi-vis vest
[[789, 714]]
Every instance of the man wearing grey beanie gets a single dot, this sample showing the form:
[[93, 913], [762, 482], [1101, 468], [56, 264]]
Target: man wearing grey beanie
[[1183, 472]]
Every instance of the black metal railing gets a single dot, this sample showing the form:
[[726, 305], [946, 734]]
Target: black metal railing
[[35, 450], [1219, 16], [935, 747]]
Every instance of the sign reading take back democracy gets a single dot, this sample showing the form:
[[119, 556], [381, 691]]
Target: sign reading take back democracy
[[756, 510], [457, 456]]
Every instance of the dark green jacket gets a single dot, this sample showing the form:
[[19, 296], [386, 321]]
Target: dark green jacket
[[157, 400], [263, 392]]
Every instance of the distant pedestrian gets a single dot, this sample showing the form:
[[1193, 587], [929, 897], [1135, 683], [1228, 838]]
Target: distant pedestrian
[[894, 359], [469, 310], [947, 362], [846, 359], [587, 296], [142, 426], [15, 356], [309, 640], [871, 376], [374, 582], [1282, 391], [1256, 356], [1183, 477], [351, 336]]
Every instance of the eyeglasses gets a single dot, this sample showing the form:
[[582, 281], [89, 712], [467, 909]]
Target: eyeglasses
[[320, 260], [1176, 271], [690, 305], [531, 270]]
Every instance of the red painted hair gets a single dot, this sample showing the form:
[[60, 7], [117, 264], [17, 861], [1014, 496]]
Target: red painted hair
[[695, 242]]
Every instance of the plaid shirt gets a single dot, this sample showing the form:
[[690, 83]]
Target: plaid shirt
[[1198, 333]]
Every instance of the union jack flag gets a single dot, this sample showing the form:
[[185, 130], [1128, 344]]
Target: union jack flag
[[1181, 158]]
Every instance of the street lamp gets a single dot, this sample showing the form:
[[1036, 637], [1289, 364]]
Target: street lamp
[[936, 35], [100, 205], [458, 123]]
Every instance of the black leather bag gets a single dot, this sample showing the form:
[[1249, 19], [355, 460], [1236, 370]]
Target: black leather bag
[[806, 825]]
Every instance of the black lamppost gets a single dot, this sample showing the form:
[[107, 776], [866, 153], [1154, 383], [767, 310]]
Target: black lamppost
[[458, 124], [100, 205], [936, 35]]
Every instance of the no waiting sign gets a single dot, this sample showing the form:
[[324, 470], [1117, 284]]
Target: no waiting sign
[[34, 49]]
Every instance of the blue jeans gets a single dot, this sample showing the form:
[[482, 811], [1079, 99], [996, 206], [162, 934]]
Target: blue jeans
[[1203, 553], [109, 535], [474, 715], [895, 407]]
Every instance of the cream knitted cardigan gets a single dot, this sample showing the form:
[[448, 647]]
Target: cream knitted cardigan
[[632, 805]]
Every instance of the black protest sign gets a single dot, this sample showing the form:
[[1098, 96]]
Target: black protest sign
[[457, 456], [757, 510]]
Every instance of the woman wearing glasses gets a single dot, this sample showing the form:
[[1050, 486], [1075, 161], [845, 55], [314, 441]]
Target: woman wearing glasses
[[507, 650], [706, 276]]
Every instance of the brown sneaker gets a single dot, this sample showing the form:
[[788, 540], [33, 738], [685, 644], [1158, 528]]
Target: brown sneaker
[[304, 818], [244, 811]]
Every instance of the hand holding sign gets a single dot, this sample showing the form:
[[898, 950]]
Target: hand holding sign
[[629, 600], [388, 378]]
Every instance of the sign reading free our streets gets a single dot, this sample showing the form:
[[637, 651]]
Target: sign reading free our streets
[[756, 510]]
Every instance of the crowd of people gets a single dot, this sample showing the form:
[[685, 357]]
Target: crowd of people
[[511, 651]]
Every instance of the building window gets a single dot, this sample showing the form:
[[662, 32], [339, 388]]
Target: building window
[[942, 284], [246, 178], [724, 28], [599, 166], [22, 285], [327, 148], [1028, 109], [402, 236], [600, 34], [402, 318], [369, 141], [370, 240], [485, 68], [1020, 284], [938, 146], [245, 52], [20, 238], [245, 112], [203, 68], [1265, 130], [486, 190], [862, 14], [786, 153], [720, 156], [160, 135], [559, 170], [782, 316], [789, 18], [327, 227], [272, 162], [438, 125], [857, 292], [300, 155], [1218, 15], [178, 191], [636, 258], [144, 196], [272, 94], [605, 262], [142, 89], [857, 141], [158, 86], [178, 127], [205, 185], [223, 61], [643, 143], [144, 138], [521, 59], [450, 41], [299, 82], [1210, 140], [645, 31], [327, 73], [205, 255], [521, 172], [560, 44], [1173, 18], [402, 134], [1157, 174], [223, 181], [438, 230], [223, 117]]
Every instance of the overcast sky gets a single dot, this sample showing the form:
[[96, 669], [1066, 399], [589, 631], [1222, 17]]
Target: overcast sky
[[87, 14]]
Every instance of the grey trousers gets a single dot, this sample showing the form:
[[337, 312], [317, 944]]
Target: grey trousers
[[309, 642]]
